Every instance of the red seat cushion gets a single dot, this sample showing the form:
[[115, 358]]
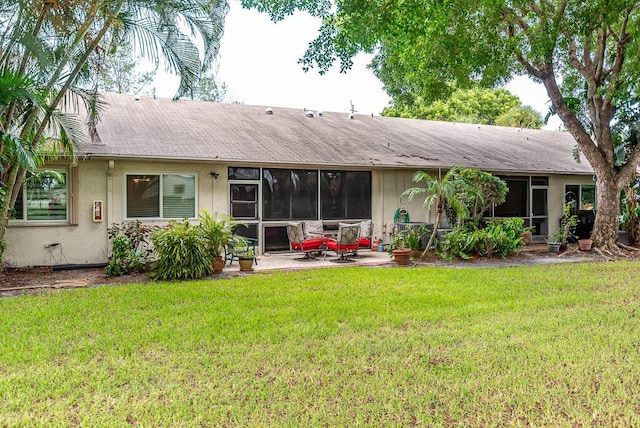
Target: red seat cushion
[[364, 242], [308, 244], [332, 244]]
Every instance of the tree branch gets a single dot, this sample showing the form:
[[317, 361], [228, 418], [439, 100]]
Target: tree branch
[[621, 45], [593, 153]]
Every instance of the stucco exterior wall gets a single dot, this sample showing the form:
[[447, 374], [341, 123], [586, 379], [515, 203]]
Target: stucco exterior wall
[[557, 185], [86, 241], [388, 186]]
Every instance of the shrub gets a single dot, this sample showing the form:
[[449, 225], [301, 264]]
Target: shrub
[[182, 252], [506, 235], [129, 247], [502, 237], [457, 243], [137, 233], [124, 258]]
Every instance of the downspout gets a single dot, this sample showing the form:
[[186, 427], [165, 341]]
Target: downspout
[[108, 202], [383, 226]]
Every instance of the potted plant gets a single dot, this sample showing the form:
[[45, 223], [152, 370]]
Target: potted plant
[[217, 230], [527, 236], [245, 252], [399, 249], [245, 260], [415, 239], [585, 244], [561, 236]]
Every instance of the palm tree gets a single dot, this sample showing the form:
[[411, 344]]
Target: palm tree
[[54, 48], [450, 190]]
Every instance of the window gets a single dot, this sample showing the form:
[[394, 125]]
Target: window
[[290, 194], [244, 173], [43, 197], [345, 194], [516, 202], [582, 196], [244, 201], [170, 196]]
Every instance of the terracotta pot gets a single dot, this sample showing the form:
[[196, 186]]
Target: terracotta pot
[[218, 264], [246, 265], [585, 244], [402, 256], [526, 237]]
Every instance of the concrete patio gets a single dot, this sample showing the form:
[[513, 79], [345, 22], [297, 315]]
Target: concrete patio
[[534, 254], [291, 261]]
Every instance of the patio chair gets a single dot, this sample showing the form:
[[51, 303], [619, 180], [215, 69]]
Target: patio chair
[[346, 243], [365, 234], [297, 242], [313, 229], [234, 247]]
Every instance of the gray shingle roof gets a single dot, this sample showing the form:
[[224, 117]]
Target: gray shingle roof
[[193, 130]]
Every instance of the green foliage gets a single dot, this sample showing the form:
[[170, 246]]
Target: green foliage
[[568, 223], [443, 191], [458, 243], [486, 190], [118, 71], [501, 236], [124, 259], [243, 248], [130, 251], [247, 254], [182, 250], [630, 217], [463, 193], [137, 232], [209, 89], [415, 237], [3, 246], [505, 235], [520, 117], [476, 105], [217, 229]]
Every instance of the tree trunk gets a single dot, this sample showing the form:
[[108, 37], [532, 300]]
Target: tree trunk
[[435, 230], [605, 229]]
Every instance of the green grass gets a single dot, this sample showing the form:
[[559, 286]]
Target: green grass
[[554, 345]]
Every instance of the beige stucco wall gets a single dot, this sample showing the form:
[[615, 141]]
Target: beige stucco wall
[[387, 188], [557, 185], [87, 243], [83, 243]]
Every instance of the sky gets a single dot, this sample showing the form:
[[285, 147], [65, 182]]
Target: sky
[[259, 64]]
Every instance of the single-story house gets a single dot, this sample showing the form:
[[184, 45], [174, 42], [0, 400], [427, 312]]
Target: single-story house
[[159, 159]]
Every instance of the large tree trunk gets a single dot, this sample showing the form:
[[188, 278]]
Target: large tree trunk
[[605, 229]]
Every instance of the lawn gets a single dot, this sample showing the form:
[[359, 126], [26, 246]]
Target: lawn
[[554, 345]]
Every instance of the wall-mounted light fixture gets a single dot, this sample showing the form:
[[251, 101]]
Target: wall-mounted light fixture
[[215, 175]]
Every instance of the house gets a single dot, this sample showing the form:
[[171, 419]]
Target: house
[[159, 159]]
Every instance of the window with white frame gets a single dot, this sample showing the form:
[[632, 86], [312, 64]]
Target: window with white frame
[[44, 197], [166, 196]]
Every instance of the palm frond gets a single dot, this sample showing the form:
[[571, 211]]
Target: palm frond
[[17, 151]]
